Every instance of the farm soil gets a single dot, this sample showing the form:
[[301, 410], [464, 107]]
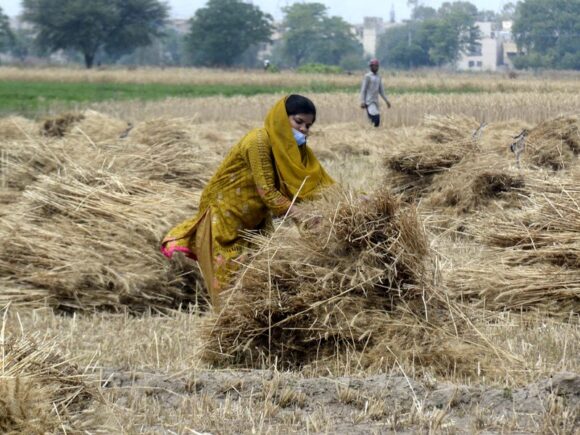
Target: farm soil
[[356, 405]]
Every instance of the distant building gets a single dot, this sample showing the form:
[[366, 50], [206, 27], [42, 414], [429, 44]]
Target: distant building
[[510, 51], [370, 31], [487, 56], [372, 28], [506, 26], [497, 49]]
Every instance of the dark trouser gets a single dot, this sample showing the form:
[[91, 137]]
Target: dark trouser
[[375, 119]]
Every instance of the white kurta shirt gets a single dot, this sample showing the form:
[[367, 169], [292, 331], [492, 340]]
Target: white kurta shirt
[[372, 87]]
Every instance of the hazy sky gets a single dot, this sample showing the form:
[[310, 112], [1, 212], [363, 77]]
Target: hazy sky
[[352, 11]]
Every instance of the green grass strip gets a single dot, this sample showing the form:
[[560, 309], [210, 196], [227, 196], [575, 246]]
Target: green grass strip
[[36, 97], [33, 98]]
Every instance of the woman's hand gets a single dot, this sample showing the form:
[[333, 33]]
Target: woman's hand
[[296, 212], [304, 219]]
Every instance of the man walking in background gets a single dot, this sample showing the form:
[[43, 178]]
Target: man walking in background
[[372, 87]]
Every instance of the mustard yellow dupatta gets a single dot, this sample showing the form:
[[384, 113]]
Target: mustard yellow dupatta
[[300, 172], [300, 175]]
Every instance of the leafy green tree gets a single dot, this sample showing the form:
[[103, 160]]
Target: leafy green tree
[[6, 35], [115, 26], [432, 38], [444, 47], [166, 50], [249, 58], [458, 18], [23, 44], [336, 42], [405, 46], [488, 15], [421, 13], [174, 46], [548, 31], [508, 11], [311, 36], [302, 29], [223, 30]]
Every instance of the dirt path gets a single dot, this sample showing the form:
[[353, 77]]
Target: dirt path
[[357, 405]]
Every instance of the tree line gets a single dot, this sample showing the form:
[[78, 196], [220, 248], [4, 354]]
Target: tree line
[[547, 33], [228, 33], [432, 37]]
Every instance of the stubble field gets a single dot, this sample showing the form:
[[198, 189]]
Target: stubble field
[[436, 290]]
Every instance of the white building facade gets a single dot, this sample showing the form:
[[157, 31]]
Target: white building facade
[[496, 52], [489, 55], [370, 31], [372, 28]]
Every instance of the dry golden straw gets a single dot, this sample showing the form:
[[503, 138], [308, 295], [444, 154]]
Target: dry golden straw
[[60, 125], [447, 142], [40, 392], [90, 239], [354, 284], [555, 143]]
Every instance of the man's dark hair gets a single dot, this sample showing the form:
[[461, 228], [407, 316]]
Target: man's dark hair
[[296, 104]]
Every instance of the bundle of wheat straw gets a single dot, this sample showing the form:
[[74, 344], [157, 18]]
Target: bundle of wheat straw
[[566, 182], [490, 183], [555, 143], [533, 251], [40, 392], [449, 140], [526, 231], [474, 183], [550, 219], [334, 290], [450, 128], [426, 159], [551, 223], [181, 163], [17, 128], [412, 170], [550, 289], [24, 161], [320, 284], [98, 127], [162, 131], [498, 136], [61, 124], [164, 150], [562, 249], [91, 239], [440, 338]]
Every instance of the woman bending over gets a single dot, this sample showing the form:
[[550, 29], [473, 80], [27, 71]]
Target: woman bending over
[[258, 179]]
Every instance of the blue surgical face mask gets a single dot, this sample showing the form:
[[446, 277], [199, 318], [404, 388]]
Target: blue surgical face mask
[[299, 136]]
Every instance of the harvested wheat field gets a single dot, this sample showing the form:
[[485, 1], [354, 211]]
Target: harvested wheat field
[[435, 289]]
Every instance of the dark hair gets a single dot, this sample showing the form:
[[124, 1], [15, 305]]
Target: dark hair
[[296, 104]]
